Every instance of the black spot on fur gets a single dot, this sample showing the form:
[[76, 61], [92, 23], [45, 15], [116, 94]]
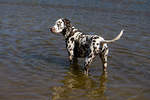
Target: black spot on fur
[[64, 31], [94, 41], [69, 46], [81, 37], [90, 56], [67, 22], [72, 39], [86, 46], [86, 38], [95, 37], [90, 60]]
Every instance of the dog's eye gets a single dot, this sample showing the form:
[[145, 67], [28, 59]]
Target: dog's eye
[[59, 23]]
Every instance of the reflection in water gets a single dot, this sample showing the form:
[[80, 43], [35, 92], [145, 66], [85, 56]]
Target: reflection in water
[[76, 84]]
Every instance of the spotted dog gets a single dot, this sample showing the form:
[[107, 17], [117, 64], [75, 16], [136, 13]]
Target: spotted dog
[[80, 45]]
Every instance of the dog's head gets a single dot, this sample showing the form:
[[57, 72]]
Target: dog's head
[[60, 25]]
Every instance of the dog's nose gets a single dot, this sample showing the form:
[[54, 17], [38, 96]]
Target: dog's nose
[[51, 29]]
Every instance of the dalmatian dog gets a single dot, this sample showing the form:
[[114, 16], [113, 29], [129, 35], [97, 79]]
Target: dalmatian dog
[[80, 45]]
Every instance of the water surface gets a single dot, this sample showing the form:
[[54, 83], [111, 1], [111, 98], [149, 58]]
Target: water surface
[[34, 62]]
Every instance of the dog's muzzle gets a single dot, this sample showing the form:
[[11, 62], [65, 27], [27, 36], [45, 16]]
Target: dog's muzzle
[[52, 29]]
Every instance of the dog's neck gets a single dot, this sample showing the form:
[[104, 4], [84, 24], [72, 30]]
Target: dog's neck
[[69, 31]]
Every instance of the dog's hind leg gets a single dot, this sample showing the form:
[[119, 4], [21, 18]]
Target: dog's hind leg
[[103, 56]]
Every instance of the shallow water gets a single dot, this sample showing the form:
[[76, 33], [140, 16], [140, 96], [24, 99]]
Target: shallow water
[[34, 64]]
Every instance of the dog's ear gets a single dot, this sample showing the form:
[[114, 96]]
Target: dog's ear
[[67, 22]]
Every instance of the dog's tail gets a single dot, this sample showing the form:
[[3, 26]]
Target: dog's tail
[[116, 38]]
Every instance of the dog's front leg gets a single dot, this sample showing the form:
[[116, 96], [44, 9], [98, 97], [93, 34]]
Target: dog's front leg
[[70, 48], [71, 59], [71, 55], [88, 61]]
